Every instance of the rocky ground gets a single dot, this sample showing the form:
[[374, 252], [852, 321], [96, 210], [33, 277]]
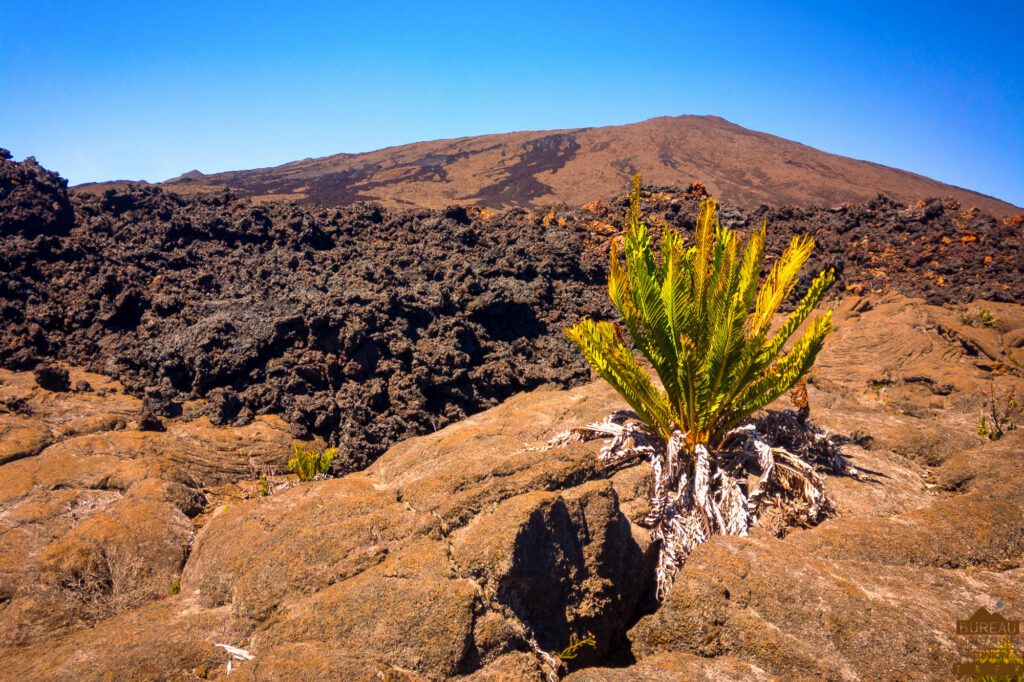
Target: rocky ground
[[365, 326], [131, 554]]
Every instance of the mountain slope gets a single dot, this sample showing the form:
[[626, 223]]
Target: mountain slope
[[532, 169]]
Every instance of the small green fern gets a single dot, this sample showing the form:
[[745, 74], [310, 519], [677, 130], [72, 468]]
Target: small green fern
[[704, 324], [576, 643], [311, 463]]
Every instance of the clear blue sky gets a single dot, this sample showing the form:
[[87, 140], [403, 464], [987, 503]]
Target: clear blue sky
[[146, 90]]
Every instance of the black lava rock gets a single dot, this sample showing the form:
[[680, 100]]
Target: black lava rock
[[52, 378]]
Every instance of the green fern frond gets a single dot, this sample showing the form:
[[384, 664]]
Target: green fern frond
[[604, 350], [780, 281], [818, 288], [785, 373]]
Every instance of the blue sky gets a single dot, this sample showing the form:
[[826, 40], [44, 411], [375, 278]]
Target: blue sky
[[144, 90]]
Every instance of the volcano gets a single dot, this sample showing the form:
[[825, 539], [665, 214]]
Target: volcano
[[572, 166]]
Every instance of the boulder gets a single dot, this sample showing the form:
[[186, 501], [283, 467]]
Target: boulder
[[562, 563], [52, 378], [33, 200]]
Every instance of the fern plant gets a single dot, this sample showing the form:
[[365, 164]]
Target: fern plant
[[310, 463], [702, 317], [703, 323]]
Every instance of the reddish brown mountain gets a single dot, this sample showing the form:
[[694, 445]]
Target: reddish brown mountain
[[533, 169]]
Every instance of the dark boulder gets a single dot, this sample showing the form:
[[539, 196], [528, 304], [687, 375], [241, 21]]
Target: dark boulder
[[53, 378], [33, 200]]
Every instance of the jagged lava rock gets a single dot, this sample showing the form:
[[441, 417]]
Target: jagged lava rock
[[33, 201]]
